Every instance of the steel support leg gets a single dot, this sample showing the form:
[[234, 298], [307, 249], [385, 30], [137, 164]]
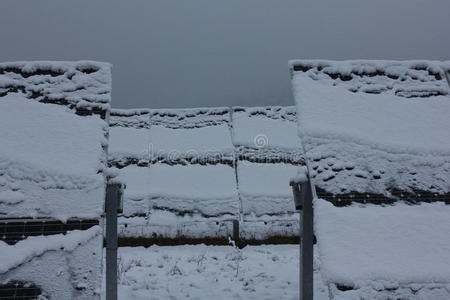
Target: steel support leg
[[112, 202], [303, 201]]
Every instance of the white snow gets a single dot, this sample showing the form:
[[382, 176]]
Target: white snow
[[62, 266], [400, 244], [264, 188], [134, 118], [269, 130], [82, 84], [382, 121], [189, 138], [207, 189], [50, 137], [34, 246], [170, 225], [50, 160], [365, 142], [211, 272], [11, 197], [195, 142], [190, 117], [128, 142]]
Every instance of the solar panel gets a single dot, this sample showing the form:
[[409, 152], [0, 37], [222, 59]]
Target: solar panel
[[367, 132], [54, 138], [187, 143], [376, 132]]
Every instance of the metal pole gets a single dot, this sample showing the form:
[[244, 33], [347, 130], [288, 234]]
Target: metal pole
[[303, 203], [113, 193], [236, 237], [307, 243]]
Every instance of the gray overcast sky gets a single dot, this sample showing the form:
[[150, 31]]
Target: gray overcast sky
[[189, 53]]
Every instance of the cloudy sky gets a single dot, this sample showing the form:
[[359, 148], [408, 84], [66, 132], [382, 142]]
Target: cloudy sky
[[189, 53]]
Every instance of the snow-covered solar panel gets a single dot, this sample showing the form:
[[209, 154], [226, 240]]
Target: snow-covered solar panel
[[178, 201], [391, 252], [208, 190], [83, 86], [197, 135], [63, 266], [268, 151], [375, 129], [376, 132], [262, 188], [266, 134], [51, 161], [54, 130], [202, 143], [267, 204], [207, 145], [129, 137]]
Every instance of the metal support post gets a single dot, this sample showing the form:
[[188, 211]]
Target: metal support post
[[236, 237], [113, 200], [303, 203]]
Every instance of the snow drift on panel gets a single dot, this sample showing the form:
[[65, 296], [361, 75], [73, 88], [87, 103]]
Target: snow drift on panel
[[399, 244], [209, 190], [128, 143], [84, 86], [50, 160], [264, 188], [375, 126], [208, 143], [265, 127], [63, 266]]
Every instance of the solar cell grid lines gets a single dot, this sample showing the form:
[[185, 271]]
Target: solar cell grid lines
[[12, 231], [16, 290]]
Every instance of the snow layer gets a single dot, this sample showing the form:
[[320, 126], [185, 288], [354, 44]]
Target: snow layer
[[190, 117], [264, 188], [405, 79], [167, 224], [50, 160], [269, 227], [198, 142], [382, 121], [135, 118], [397, 245], [209, 190], [128, 142], [270, 127], [374, 126], [84, 86], [343, 167], [25, 250], [211, 272], [204, 143], [63, 266]]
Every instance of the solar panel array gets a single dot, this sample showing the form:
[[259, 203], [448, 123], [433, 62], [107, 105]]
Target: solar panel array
[[187, 172]]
